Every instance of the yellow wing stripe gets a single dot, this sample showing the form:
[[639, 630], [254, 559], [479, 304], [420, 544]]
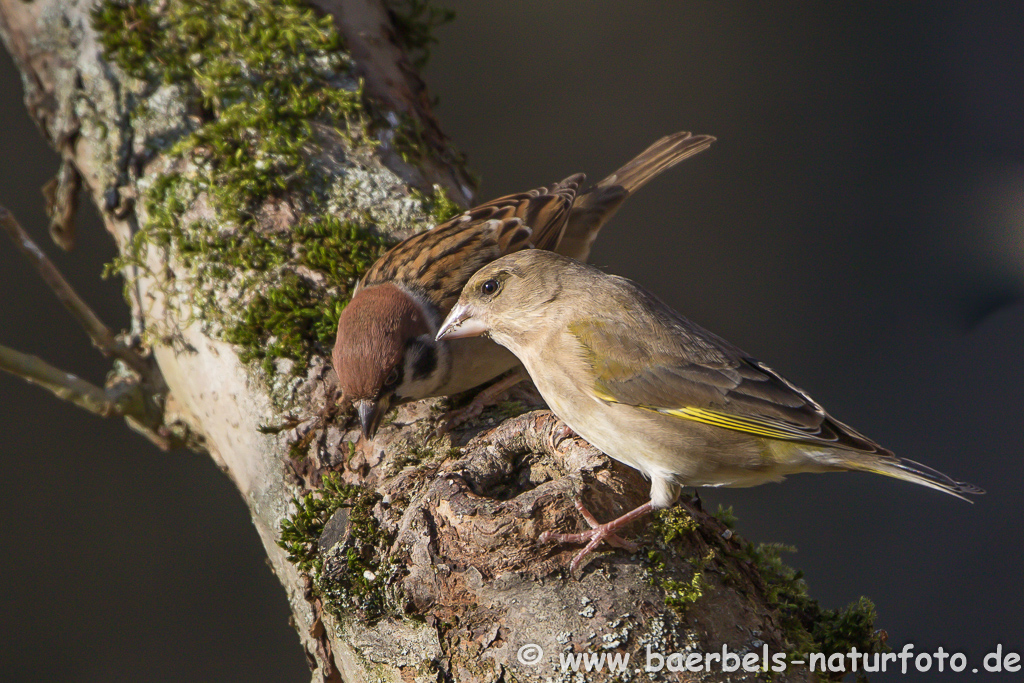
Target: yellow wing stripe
[[734, 422], [763, 428]]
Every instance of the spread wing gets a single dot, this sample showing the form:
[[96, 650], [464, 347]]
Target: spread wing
[[659, 361], [440, 261]]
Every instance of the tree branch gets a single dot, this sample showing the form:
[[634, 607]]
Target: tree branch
[[63, 385], [392, 81], [102, 337]]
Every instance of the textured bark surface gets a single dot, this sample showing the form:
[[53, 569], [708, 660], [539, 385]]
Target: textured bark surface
[[462, 584]]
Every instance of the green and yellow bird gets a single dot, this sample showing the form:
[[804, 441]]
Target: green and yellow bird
[[656, 391]]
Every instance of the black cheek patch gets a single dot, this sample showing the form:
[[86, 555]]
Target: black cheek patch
[[424, 359]]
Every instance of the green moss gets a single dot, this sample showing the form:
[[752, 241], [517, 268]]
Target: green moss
[[674, 522], [213, 44], [354, 579], [300, 533], [272, 248], [681, 594], [420, 451], [439, 206], [808, 626], [433, 449], [726, 516], [413, 142], [671, 526], [289, 317], [128, 34], [351, 574]]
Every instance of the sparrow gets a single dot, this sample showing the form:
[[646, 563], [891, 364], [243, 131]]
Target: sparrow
[[386, 353], [656, 391]]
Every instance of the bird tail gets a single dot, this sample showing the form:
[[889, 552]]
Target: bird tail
[[656, 159], [594, 207], [915, 472]]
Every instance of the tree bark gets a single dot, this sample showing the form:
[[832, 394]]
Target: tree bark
[[411, 559]]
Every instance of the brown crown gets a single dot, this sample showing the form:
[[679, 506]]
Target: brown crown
[[372, 334]]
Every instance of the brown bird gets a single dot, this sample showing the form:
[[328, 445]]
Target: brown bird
[[386, 353]]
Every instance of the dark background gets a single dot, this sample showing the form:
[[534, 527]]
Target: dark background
[[859, 226]]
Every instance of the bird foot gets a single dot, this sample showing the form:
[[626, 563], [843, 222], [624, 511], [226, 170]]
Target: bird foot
[[598, 532]]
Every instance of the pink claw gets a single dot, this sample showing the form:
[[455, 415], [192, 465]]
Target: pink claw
[[598, 532]]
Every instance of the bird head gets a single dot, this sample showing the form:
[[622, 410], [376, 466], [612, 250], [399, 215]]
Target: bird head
[[384, 352], [504, 299]]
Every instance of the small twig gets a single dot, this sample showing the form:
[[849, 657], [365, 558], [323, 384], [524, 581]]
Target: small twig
[[63, 384], [102, 337]]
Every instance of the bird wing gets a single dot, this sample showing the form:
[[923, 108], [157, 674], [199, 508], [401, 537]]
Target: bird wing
[[664, 363], [440, 261], [545, 210]]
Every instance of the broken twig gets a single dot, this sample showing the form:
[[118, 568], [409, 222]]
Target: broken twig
[[63, 384]]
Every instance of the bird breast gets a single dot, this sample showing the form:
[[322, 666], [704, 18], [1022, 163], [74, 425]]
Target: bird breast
[[472, 359]]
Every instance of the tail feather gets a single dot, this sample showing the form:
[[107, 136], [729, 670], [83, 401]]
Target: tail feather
[[594, 207], [915, 472], [656, 159]]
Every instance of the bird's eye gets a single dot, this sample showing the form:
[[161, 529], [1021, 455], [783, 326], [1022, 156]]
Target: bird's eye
[[489, 287], [392, 378]]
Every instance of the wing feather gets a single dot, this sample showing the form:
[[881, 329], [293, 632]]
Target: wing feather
[[441, 260], [657, 360]]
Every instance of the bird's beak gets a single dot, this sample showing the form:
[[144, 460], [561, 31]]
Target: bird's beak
[[461, 323], [370, 413]]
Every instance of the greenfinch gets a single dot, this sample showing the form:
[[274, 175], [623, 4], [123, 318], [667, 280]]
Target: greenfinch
[[656, 391]]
